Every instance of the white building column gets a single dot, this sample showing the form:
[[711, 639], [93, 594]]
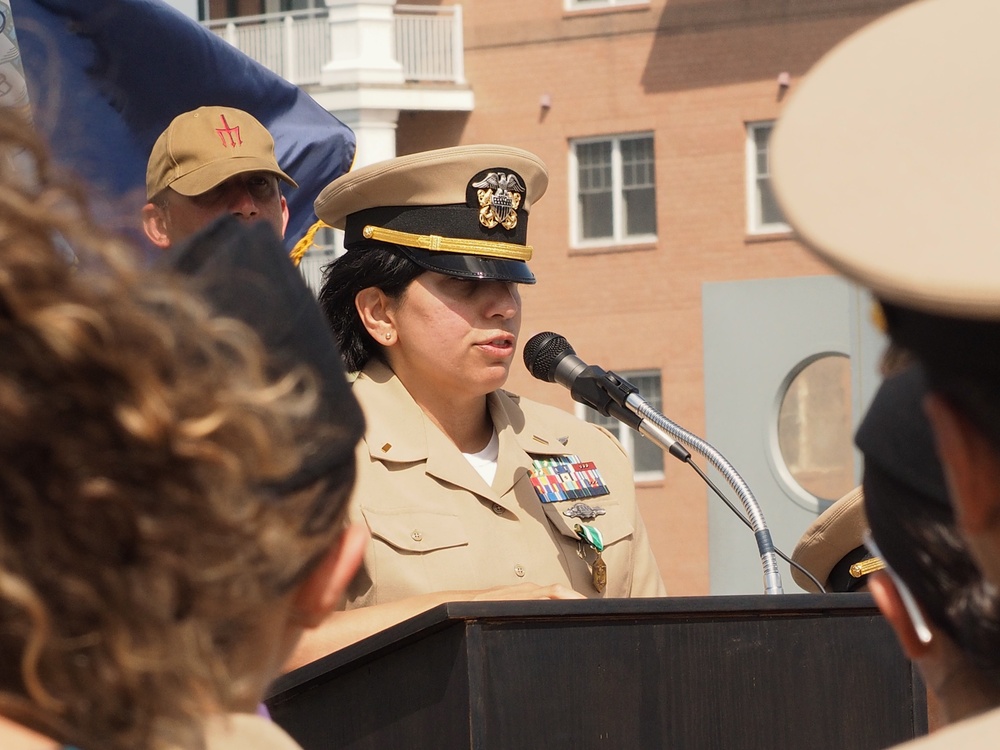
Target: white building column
[[375, 131], [364, 83], [363, 44]]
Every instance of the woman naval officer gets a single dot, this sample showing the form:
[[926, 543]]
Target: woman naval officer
[[469, 491]]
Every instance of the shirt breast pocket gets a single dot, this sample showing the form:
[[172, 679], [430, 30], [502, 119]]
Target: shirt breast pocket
[[416, 531], [416, 551]]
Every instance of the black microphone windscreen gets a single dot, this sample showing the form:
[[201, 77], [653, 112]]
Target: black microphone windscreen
[[543, 352]]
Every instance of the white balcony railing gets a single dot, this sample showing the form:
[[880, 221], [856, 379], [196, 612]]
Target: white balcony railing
[[429, 42], [296, 45]]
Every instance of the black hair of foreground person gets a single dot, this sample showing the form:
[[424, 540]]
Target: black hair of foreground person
[[914, 526]]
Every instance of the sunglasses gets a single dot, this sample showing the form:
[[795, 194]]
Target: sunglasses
[[920, 626]]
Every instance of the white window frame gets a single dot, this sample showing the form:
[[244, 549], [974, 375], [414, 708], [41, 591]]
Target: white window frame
[[625, 434], [588, 4], [755, 223], [274, 6], [617, 200]]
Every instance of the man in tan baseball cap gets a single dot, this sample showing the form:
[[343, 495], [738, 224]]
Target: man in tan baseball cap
[[210, 162], [886, 161]]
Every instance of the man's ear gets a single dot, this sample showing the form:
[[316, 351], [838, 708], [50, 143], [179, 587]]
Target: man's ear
[[284, 215], [375, 313], [154, 224], [887, 597], [971, 465], [321, 592]]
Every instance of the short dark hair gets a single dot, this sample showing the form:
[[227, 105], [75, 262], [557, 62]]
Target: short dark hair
[[961, 357], [914, 524], [380, 265], [977, 397], [923, 545]]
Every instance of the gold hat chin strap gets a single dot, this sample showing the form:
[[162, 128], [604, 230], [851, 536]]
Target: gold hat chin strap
[[485, 248], [865, 567]]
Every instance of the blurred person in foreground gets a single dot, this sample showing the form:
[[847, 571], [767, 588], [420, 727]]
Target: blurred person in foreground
[[885, 162], [470, 492], [212, 162], [172, 493], [945, 614]]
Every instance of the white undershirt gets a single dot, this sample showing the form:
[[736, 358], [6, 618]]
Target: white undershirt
[[485, 461]]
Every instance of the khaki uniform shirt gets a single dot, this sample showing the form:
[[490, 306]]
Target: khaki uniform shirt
[[977, 733], [436, 525]]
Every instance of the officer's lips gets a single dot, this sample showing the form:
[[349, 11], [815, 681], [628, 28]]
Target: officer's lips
[[502, 344]]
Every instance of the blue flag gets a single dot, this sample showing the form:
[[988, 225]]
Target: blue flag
[[106, 77]]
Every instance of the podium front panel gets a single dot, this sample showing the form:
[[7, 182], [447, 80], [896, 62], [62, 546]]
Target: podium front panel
[[792, 671]]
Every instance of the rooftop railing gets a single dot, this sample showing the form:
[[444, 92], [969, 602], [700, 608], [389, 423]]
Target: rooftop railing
[[296, 45]]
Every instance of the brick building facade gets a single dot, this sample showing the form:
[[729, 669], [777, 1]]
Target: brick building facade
[[689, 75], [653, 119]]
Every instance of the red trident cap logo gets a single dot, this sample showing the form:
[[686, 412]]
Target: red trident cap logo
[[229, 135]]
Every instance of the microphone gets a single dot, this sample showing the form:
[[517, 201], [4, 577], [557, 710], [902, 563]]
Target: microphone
[[549, 357]]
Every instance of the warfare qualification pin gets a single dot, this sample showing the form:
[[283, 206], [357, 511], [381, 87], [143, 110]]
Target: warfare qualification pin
[[584, 512]]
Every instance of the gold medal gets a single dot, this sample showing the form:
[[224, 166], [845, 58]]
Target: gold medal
[[591, 535], [599, 573]]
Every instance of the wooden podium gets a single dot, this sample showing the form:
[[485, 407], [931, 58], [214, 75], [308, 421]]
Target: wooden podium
[[787, 672]]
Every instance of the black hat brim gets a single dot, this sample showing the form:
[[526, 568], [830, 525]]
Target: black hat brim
[[465, 266]]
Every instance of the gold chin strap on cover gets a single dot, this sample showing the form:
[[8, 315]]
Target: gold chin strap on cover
[[485, 248], [865, 567]]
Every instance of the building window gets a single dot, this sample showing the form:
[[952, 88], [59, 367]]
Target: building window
[[292, 5], [763, 214], [647, 456], [614, 184], [814, 428], [218, 9], [584, 4]]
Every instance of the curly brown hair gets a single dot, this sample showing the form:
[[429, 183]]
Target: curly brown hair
[[139, 437]]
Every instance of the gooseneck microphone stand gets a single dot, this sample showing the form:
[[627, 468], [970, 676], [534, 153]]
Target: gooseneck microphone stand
[[549, 357]]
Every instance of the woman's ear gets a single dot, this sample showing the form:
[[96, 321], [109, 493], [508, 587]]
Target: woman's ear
[[376, 314], [887, 597]]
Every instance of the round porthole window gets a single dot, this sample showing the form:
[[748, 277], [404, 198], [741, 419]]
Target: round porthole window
[[814, 428]]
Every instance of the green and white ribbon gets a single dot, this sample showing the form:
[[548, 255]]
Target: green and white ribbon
[[590, 535]]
